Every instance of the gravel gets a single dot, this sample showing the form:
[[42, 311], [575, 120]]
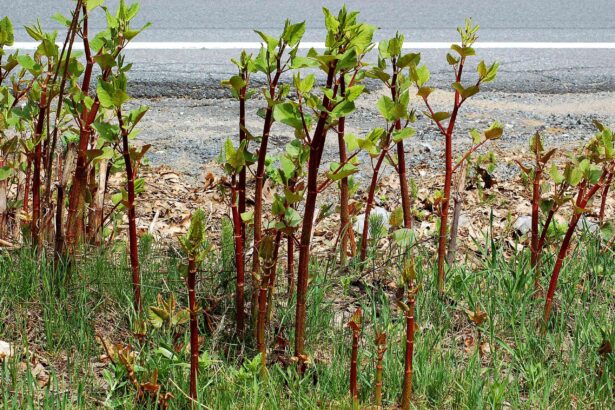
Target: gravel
[[187, 134]]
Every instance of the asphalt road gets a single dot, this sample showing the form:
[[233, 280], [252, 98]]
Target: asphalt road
[[196, 73], [420, 20]]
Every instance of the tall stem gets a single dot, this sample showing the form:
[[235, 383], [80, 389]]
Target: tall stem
[[354, 391], [448, 177], [80, 177], [290, 266], [194, 329], [452, 244], [556, 270], [243, 172], [272, 277], [605, 195], [407, 389], [406, 204], [344, 193], [132, 223], [36, 177], [535, 214], [68, 47], [370, 200], [581, 202], [239, 262], [381, 349], [260, 175], [268, 254], [76, 199], [316, 149]]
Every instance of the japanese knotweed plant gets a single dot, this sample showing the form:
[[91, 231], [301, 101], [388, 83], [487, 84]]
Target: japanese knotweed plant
[[48, 110], [195, 247], [235, 160], [445, 122], [11, 159], [381, 348], [236, 165], [286, 172], [535, 176], [585, 175], [395, 110], [347, 41], [274, 59], [41, 67], [106, 51], [355, 324], [404, 239], [239, 85], [112, 97]]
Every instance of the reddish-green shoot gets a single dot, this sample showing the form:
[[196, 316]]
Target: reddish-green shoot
[[355, 324], [419, 76], [195, 247]]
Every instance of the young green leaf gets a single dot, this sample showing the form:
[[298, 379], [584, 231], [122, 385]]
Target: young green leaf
[[6, 32]]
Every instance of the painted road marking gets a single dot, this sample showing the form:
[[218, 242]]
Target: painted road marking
[[320, 45]]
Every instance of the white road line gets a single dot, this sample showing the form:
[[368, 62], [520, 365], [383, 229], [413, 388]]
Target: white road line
[[304, 45]]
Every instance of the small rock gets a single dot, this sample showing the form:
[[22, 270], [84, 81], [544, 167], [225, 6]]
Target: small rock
[[377, 211], [585, 225], [523, 224], [39, 372], [463, 221], [6, 350], [427, 148]]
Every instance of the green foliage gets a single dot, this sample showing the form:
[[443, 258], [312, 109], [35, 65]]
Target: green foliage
[[165, 312], [194, 242], [6, 32]]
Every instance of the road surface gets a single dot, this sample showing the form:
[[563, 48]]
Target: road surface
[[556, 90], [196, 73]]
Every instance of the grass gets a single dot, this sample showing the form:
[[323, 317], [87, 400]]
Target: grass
[[56, 325]]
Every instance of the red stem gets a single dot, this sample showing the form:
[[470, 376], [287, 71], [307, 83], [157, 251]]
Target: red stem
[[290, 266], [605, 195], [370, 204], [406, 203], [535, 214], [68, 47], [36, 177], [79, 179], [344, 191], [243, 171], [372, 193], [132, 223], [448, 176], [260, 170], [26, 195], [272, 276], [74, 218], [407, 388], [194, 329], [237, 234], [317, 146], [354, 391], [381, 349], [581, 202]]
